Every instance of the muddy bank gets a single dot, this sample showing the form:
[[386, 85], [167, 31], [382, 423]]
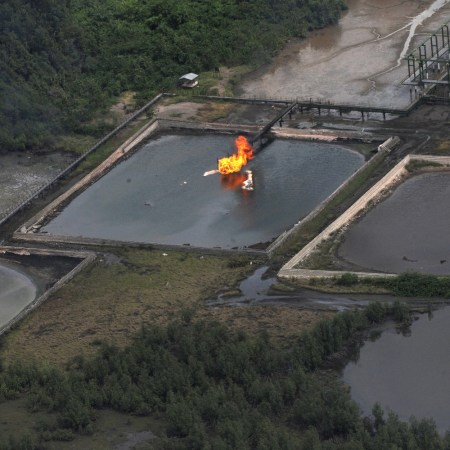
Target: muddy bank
[[23, 173], [262, 288], [356, 61]]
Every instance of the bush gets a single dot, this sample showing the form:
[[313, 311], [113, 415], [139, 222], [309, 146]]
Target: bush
[[347, 279]]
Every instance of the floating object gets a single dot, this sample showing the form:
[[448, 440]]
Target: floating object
[[210, 172], [248, 183]]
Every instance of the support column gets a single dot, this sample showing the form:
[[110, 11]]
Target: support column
[[434, 45]]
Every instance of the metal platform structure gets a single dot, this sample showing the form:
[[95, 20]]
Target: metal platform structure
[[429, 63]]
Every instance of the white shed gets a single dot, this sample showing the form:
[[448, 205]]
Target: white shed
[[189, 80]]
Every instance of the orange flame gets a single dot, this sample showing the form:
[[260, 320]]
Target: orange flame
[[233, 181], [235, 162]]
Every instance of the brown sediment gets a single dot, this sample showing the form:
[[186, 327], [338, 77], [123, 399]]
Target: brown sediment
[[345, 63]]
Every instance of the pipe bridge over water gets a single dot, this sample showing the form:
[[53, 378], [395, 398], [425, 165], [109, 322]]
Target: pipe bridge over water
[[301, 105], [257, 140]]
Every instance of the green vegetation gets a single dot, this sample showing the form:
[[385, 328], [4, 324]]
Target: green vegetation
[[416, 285], [417, 164], [63, 62], [215, 389], [407, 284]]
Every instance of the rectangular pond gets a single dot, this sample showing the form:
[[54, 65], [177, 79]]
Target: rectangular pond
[[159, 195], [407, 232]]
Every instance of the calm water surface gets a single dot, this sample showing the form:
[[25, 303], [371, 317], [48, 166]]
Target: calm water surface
[[409, 231], [160, 195], [408, 375], [16, 292]]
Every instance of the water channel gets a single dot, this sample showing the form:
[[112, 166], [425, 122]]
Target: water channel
[[160, 195], [407, 374], [17, 290]]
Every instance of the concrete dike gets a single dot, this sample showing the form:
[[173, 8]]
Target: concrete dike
[[393, 177]]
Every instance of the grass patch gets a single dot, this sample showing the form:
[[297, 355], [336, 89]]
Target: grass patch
[[404, 285], [444, 147], [111, 428], [99, 155], [213, 111], [75, 143], [115, 296], [124, 290], [415, 165]]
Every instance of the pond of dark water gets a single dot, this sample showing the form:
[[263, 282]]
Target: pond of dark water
[[409, 231], [408, 374], [159, 195], [16, 291]]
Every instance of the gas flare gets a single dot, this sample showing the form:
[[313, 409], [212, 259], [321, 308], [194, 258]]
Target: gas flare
[[235, 162]]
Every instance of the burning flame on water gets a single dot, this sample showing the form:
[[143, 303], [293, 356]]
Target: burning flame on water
[[233, 181], [235, 162]]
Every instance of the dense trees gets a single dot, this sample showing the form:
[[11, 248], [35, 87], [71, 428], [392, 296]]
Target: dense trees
[[62, 61], [220, 390]]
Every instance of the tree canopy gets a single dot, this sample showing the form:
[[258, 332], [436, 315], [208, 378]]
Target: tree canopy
[[61, 61], [215, 389]]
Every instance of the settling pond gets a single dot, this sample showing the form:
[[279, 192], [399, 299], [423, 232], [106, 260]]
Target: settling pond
[[409, 231], [159, 195], [17, 290], [406, 374]]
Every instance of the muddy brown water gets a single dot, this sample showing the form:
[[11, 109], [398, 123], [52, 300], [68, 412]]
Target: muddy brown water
[[17, 290], [407, 232], [406, 373], [160, 195], [357, 61]]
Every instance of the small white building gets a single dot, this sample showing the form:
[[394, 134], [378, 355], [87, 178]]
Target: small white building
[[189, 80]]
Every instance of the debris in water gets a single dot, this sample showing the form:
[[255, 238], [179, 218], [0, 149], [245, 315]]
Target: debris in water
[[210, 172]]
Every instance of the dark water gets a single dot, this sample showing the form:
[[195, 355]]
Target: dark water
[[16, 292], [160, 195], [255, 290], [409, 231], [408, 375]]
